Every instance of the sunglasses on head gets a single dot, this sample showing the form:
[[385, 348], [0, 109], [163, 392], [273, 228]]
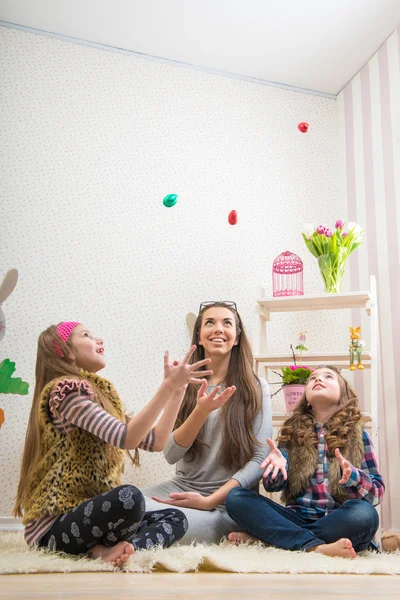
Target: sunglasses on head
[[227, 303]]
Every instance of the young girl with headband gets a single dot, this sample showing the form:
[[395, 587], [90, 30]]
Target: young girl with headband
[[219, 439], [326, 466], [70, 494]]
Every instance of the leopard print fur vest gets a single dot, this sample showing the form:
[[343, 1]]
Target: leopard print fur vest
[[72, 467]]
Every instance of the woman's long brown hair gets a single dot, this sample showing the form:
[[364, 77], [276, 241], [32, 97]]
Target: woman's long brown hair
[[49, 366], [238, 439], [300, 426]]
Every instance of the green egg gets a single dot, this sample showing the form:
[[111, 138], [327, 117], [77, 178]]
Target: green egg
[[170, 200]]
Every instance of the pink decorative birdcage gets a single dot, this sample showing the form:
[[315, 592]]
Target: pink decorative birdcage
[[287, 275]]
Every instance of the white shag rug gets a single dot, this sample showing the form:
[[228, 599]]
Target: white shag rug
[[16, 557]]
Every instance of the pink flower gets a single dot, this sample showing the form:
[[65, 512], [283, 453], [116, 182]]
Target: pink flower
[[339, 224], [344, 234], [328, 232], [321, 229]]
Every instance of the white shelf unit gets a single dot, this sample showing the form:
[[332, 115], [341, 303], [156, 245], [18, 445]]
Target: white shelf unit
[[320, 302], [275, 361], [365, 300]]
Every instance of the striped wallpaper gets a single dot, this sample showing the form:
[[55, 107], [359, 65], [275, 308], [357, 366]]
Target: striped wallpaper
[[369, 164]]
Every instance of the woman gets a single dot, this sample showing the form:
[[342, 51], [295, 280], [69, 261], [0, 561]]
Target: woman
[[219, 439]]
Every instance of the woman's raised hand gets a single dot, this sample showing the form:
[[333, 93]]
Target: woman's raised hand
[[182, 373], [275, 462], [210, 402]]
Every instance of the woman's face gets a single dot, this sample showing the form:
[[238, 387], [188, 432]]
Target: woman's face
[[218, 332], [88, 351], [323, 385]]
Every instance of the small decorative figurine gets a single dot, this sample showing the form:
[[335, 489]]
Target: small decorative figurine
[[356, 348]]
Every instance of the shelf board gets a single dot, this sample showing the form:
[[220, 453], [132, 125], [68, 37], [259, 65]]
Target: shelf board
[[320, 302], [275, 361]]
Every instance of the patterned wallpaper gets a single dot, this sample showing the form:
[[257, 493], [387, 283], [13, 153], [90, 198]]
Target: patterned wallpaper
[[92, 141], [369, 158]]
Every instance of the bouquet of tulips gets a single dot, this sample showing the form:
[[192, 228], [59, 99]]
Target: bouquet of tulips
[[332, 247]]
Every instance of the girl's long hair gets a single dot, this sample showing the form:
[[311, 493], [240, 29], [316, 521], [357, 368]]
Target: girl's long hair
[[299, 428], [49, 366], [236, 416]]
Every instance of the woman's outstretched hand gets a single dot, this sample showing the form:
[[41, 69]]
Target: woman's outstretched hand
[[274, 462], [186, 500], [345, 465], [181, 373], [212, 401]]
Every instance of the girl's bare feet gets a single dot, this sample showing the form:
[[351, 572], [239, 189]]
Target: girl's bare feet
[[239, 537], [116, 555], [342, 547]]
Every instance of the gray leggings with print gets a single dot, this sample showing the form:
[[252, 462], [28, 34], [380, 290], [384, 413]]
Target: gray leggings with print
[[116, 515]]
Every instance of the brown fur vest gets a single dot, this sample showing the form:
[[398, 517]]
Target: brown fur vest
[[303, 464], [72, 467]]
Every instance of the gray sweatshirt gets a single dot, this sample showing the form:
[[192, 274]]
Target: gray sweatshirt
[[205, 473]]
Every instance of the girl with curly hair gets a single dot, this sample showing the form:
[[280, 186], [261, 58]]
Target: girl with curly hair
[[325, 465]]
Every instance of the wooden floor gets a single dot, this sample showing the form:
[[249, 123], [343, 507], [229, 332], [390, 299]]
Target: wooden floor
[[204, 586]]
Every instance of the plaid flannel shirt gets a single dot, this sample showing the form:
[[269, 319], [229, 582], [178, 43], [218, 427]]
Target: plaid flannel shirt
[[316, 501]]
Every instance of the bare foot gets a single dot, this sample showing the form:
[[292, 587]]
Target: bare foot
[[116, 555], [239, 537], [342, 547]]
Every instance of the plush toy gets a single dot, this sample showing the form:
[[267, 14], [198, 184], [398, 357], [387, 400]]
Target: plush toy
[[190, 321], [8, 383], [356, 348], [391, 541], [7, 286]]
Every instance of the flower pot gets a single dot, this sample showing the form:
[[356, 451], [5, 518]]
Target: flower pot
[[292, 394], [332, 267]]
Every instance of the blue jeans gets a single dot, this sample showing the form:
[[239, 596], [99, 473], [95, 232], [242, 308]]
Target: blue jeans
[[282, 527]]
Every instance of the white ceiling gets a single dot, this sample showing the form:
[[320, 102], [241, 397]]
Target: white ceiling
[[315, 45]]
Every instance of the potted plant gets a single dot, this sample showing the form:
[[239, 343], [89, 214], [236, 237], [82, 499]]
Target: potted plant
[[293, 382]]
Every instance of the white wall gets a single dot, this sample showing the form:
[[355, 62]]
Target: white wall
[[92, 141], [369, 150]]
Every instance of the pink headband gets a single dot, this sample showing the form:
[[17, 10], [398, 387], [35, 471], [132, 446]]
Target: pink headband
[[64, 331]]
